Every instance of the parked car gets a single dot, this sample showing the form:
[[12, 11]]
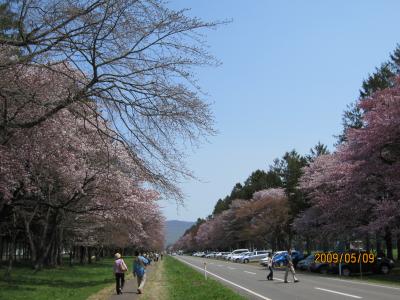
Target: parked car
[[254, 256], [210, 255], [304, 264], [220, 255], [238, 257], [264, 261], [199, 254], [280, 259], [319, 267], [235, 252], [380, 265]]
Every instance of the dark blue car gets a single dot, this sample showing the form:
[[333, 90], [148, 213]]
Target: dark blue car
[[280, 259]]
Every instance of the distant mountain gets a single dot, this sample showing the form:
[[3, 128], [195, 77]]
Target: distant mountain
[[174, 230]]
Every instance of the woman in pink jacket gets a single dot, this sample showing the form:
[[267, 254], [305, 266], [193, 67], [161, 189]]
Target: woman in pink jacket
[[119, 269]]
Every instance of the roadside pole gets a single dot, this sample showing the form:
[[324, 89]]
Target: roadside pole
[[359, 257], [205, 270]]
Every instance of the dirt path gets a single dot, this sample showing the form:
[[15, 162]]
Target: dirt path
[[155, 288]]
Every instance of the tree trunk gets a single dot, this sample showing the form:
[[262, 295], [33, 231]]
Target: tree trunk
[[367, 242], [389, 243], [1, 249], [7, 275], [11, 257], [308, 248], [89, 253], [60, 247], [398, 246], [52, 255], [82, 255], [43, 255]]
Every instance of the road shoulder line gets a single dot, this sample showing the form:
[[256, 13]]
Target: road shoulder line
[[339, 293], [226, 280]]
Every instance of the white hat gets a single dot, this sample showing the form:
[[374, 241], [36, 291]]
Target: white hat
[[117, 255]]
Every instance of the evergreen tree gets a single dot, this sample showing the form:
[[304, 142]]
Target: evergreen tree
[[221, 205], [290, 168], [382, 78], [318, 150], [258, 180], [8, 19]]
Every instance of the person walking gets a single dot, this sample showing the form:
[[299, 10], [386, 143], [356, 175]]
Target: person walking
[[139, 271], [289, 266], [269, 265], [119, 270]]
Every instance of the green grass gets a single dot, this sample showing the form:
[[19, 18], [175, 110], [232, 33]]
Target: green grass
[[184, 283], [77, 282]]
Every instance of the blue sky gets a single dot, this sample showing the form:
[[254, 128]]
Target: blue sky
[[289, 68]]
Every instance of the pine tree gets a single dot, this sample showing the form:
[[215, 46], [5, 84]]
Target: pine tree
[[382, 78], [8, 20]]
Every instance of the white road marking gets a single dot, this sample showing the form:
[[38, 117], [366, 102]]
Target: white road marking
[[370, 284], [339, 293], [279, 279], [230, 268], [211, 263], [219, 265], [226, 280], [250, 272]]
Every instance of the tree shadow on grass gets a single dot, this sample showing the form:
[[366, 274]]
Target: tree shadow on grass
[[12, 287], [16, 283]]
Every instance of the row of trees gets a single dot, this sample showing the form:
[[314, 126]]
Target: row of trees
[[262, 219], [95, 98], [324, 200]]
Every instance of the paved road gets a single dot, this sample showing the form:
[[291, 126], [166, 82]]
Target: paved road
[[250, 281]]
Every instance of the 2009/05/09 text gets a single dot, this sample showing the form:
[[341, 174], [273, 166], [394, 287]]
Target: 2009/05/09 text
[[344, 257]]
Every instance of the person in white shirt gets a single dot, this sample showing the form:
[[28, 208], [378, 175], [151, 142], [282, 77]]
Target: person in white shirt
[[269, 265]]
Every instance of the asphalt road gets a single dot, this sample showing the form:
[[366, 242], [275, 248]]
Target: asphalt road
[[250, 281]]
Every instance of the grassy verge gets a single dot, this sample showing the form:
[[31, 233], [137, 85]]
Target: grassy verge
[[155, 288], [184, 282], [77, 282]]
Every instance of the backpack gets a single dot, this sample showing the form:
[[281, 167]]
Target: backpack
[[138, 267]]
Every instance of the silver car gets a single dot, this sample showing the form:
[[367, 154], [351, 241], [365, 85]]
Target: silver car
[[220, 255], [254, 256]]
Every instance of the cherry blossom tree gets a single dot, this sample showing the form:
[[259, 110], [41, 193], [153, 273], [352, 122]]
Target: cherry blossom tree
[[256, 223], [63, 184], [355, 190], [134, 59]]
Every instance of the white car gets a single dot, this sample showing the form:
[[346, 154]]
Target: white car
[[210, 255], [254, 256], [235, 252]]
